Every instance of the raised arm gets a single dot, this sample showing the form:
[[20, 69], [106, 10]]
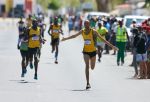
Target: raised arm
[[105, 41], [72, 36]]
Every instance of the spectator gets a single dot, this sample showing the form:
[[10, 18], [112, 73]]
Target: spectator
[[141, 55]]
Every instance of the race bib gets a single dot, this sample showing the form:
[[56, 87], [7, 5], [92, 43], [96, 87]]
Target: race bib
[[35, 38], [87, 42], [55, 31]]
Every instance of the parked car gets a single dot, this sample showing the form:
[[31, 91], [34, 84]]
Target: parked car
[[89, 15], [128, 21]]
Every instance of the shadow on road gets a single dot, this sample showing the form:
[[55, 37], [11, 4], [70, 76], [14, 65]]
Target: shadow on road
[[80, 90], [22, 81]]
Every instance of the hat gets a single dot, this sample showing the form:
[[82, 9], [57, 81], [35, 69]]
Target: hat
[[134, 20]]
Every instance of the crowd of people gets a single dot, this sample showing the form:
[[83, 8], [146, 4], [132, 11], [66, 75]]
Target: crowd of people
[[141, 48], [99, 34]]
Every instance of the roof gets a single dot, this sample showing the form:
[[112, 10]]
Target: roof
[[135, 16], [99, 13]]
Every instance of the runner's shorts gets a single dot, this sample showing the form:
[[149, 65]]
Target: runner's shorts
[[33, 52], [55, 41], [24, 53], [101, 44], [141, 57], [91, 54]]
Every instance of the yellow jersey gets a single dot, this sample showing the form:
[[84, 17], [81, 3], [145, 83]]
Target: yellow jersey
[[56, 31], [35, 40], [89, 45], [102, 31]]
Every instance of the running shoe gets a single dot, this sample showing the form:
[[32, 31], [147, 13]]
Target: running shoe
[[88, 86], [35, 77], [22, 75], [99, 60], [24, 70], [56, 62], [31, 65], [53, 50]]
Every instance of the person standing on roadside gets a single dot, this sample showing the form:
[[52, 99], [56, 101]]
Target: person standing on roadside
[[140, 41], [121, 39]]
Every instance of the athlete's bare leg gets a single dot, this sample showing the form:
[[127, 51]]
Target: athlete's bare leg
[[87, 60], [92, 61]]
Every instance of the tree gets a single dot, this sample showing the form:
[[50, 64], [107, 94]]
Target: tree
[[102, 5], [51, 4], [55, 5], [147, 3]]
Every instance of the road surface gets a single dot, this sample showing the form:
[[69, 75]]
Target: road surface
[[65, 82]]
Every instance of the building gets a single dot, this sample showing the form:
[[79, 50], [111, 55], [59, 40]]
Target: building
[[2, 7], [17, 8]]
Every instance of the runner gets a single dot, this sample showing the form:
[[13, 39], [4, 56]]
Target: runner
[[34, 39], [106, 24], [23, 46], [54, 31], [100, 44], [89, 50]]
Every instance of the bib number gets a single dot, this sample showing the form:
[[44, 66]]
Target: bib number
[[55, 31], [87, 42], [35, 38]]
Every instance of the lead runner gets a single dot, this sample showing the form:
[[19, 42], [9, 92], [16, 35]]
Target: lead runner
[[89, 51]]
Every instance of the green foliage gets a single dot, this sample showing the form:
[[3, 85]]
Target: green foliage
[[50, 4], [54, 4], [147, 3]]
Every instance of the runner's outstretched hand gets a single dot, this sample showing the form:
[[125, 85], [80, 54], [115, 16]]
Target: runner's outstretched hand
[[115, 48], [63, 39]]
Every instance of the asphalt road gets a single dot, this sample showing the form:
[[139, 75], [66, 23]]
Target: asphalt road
[[65, 82]]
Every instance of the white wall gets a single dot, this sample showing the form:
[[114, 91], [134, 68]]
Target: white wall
[[34, 6], [2, 1]]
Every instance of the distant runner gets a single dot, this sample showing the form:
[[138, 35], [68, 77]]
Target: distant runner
[[23, 46], [100, 44], [54, 31]]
